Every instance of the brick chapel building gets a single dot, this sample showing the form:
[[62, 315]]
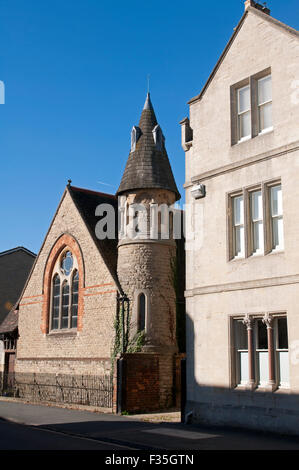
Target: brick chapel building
[[83, 289]]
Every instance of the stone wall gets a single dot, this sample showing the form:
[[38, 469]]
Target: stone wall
[[146, 266], [217, 289], [210, 116], [150, 273]]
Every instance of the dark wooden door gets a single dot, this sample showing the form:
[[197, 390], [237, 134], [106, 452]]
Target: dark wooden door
[[9, 369], [11, 363]]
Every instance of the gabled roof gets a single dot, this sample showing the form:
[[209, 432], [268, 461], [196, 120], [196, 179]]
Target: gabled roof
[[10, 323], [86, 202], [18, 248], [148, 166], [262, 15]]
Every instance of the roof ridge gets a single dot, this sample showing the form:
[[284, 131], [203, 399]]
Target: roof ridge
[[91, 191], [17, 248], [106, 250]]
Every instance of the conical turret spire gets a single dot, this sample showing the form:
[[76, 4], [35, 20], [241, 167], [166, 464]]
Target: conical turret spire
[[148, 165], [148, 103]]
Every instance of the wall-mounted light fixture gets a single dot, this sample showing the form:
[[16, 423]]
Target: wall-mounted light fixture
[[198, 191]]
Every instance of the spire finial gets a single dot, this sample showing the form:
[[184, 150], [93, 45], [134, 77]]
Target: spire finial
[[69, 183], [148, 103], [148, 83]]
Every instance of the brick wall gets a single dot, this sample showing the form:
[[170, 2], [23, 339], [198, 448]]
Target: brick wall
[[141, 382], [149, 382]]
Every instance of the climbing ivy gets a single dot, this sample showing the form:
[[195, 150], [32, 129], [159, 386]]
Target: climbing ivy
[[132, 345], [136, 343]]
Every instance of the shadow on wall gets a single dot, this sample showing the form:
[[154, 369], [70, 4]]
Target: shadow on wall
[[262, 410]]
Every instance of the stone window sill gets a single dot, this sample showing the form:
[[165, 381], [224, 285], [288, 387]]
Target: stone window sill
[[237, 258], [283, 390], [276, 251], [251, 138], [261, 389], [63, 332]]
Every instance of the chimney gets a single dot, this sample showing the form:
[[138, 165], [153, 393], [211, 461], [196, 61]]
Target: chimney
[[258, 6]]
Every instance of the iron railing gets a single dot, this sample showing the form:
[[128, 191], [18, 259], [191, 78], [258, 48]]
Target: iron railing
[[92, 390]]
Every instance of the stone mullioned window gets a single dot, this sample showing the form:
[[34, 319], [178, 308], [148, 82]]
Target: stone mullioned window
[[251, 107], [260, 356], [255, 220]]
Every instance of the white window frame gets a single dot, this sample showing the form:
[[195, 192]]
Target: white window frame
[[256, 221], [238, 355], [258, 352], [263, 104], [278, 216], [278, 351], [239, 226], [242, 113]]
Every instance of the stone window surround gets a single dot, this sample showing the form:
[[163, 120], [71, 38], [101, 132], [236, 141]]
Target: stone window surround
[[252, 81], [135, 312], [249, 319], [63, 278], [245, 191], [64, 241]]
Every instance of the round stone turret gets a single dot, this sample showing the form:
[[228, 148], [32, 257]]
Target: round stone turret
[[146, 249]]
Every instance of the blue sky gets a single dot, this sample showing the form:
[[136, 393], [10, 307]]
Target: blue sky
[[76, 79]]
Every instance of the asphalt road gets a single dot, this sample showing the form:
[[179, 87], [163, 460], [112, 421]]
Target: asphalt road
[[19, 437], [42, 427]]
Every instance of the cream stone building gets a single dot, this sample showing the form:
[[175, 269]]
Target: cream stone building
[[85, 288], [242, 287]]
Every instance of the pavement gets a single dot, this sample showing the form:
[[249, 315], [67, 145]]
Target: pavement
[[155, 431]]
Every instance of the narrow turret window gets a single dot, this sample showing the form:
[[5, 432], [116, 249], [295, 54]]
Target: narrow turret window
[[141, 312]]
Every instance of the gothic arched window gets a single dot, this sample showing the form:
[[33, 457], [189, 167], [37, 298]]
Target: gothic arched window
[[65, 291], [141, 312]]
